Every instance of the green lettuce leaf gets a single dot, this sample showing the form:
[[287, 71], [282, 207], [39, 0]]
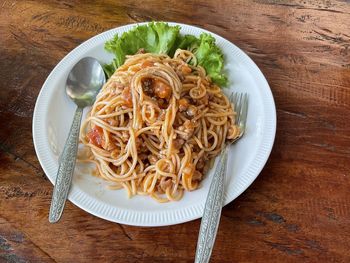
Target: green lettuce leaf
[[154, 38], [188, 42], [161, 38], [210, 57]]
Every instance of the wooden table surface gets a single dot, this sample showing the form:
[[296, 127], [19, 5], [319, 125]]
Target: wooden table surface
[[298, 210]]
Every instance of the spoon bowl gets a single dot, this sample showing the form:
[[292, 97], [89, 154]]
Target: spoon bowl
[[84, 81]]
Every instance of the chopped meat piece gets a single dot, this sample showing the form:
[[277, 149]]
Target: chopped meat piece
[[188, 170], [110, 147], [200, 164], [178, 143], [164, 184], [125, 136], [152, 159], [112, 121], [127, 98], [161, 89], [162, 103], [138, 143], [143, 156], [183, 104], [206, 167], [203, 101], [115, 153], [191, 111], [197, 176], [186, 69], [147, 85], [187, 130]]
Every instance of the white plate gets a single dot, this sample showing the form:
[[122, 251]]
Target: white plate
[[53, 115]]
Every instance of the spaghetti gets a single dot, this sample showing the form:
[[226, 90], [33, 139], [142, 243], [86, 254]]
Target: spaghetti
[[156, 125]]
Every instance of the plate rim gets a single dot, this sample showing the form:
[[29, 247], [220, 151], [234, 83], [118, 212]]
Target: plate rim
[[80, 198]]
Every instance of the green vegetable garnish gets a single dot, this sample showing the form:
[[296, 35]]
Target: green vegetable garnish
[[162, 38]]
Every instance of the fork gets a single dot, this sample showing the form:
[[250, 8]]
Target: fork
[[213, 205]]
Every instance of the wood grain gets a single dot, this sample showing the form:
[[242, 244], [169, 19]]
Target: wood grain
[[298, 210]]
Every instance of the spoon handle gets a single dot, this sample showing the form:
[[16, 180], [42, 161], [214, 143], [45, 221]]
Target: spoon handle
[[65, 170]]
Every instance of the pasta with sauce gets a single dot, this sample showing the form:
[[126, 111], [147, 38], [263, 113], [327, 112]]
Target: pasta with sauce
[[156, 125]]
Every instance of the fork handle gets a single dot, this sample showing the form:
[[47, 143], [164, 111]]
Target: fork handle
[[212, 212]]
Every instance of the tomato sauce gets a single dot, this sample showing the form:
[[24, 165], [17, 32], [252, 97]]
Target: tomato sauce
[[127, 97], [147, 64], [161, 89], [95, 136]]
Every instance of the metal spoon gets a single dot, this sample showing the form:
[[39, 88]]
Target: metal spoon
[[83, 83]]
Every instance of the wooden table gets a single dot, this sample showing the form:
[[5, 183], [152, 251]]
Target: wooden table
[[298, 210]]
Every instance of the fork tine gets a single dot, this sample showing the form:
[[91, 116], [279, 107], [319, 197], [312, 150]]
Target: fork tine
[[235, 105], [234, 99], [231, 97], [244, 110], [238, 107]]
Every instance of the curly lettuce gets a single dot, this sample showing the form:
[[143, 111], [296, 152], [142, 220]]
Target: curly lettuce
[[208, 55], [161, 38]]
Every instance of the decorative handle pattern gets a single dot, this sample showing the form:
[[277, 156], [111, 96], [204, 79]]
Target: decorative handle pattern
[[212, 212], [65, 169]]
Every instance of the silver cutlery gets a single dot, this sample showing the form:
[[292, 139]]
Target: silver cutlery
[[213, 205], [83, 83]]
